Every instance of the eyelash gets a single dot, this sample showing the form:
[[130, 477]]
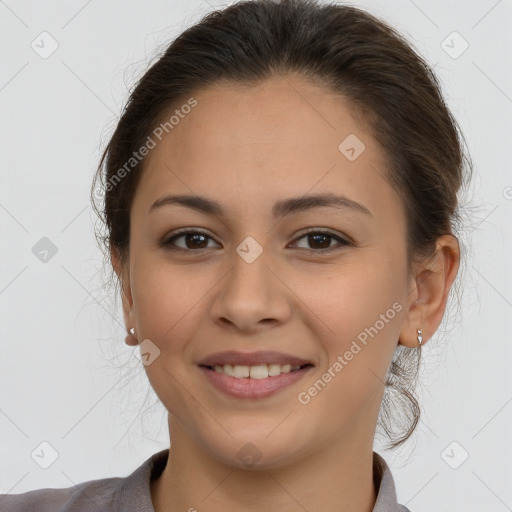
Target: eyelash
[[168, 244]]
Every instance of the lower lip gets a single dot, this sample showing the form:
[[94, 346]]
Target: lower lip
[[252, 388]]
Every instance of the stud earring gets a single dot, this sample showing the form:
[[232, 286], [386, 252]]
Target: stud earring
[[130, 338], [420, 337]]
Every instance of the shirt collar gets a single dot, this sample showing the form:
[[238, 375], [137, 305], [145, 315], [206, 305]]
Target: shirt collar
[[386, 496]]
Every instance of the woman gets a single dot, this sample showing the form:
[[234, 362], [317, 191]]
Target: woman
[[279, 196]]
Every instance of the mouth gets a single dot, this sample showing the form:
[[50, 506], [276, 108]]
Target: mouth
[[253, 375]]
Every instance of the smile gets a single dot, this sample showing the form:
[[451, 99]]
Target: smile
[[258, 381]]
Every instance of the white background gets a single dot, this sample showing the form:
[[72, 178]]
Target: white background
[[66, 376]]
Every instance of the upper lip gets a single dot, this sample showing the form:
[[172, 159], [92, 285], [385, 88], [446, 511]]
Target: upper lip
[[251, 358]]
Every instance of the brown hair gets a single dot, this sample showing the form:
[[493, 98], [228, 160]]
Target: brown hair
[[352, 54]]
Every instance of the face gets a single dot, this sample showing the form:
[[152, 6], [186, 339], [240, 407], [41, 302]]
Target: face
[[323, 283]]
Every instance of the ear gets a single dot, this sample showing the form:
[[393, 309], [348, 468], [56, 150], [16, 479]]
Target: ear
[[429, 291], [126, 295]]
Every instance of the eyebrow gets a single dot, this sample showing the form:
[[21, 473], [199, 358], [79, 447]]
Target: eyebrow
[[279, 210]]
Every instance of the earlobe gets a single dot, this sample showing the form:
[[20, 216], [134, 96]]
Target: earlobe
[[413, 337]]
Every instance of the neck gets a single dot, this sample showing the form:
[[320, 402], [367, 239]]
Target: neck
[[338, 477]]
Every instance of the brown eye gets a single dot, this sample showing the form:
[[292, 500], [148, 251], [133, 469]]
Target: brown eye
[[192, 240], [320, 241]]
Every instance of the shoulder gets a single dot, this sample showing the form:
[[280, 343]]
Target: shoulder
[[116, 494], [93, 495]]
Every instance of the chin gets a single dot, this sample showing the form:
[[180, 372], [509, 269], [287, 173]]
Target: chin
[[253, 450]]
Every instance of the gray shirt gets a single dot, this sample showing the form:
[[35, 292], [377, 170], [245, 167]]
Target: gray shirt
[[132, 493]]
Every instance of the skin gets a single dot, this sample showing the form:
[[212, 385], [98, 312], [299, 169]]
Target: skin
[[248, 147]]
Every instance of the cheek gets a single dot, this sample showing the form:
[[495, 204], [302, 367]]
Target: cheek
[[351, 298], [168, 304], [358, 313], [167, 298], [359, 328]]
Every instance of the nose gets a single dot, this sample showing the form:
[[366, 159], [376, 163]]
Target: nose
[[252, 297]]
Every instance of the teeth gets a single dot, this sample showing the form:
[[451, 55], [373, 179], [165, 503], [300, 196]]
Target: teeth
[[240, 371], [286, 368], [274, 369], [260, 371], [227, 369]]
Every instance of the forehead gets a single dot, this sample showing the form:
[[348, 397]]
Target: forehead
[[281, 138]]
